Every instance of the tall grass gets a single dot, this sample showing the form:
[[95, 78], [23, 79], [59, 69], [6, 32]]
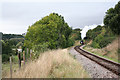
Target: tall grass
[[53, 64]]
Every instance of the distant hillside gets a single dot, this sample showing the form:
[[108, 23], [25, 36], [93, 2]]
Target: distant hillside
[[9, 36]]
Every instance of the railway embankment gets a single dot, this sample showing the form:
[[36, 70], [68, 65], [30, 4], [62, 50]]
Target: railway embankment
[[110, 51]]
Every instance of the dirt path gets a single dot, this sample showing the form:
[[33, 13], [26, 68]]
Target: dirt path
[[95, 70]]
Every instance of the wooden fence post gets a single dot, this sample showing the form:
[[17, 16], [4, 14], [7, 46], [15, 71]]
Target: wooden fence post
[[31, 54], [27, 54], [19, 60], [24, 57], [10, 67]]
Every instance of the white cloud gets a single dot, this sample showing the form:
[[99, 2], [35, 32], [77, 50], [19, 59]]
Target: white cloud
[[86, 28]]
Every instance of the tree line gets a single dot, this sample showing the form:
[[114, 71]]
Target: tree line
[[103, 35]]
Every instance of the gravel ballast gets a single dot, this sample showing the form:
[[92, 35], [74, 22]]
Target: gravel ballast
[[95, 70]]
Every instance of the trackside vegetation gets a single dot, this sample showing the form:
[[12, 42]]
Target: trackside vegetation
[[53, 64], [100, 37]]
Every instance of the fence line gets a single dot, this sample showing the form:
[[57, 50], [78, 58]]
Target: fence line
[[19, 59]]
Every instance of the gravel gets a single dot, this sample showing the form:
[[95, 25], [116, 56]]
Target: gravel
[[95, 70]]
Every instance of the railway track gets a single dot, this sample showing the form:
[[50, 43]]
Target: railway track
[[110, 65]]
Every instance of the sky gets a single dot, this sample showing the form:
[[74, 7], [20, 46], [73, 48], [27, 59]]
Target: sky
[[17, 15]]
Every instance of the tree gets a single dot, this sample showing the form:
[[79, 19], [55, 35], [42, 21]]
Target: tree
[[6, 47], [112, 19], [51, 31], [76, 35], [91, 34], [6, 50]]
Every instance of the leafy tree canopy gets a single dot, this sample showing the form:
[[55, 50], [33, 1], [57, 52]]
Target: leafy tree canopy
[[91, 34], [112, 19], [52, 31]]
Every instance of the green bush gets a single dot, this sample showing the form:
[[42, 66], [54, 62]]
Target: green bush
[[119, 51], [5, 57], [104, 42], [70, 42], [99, 38], [96, 41], [95, 45], [101, 42]]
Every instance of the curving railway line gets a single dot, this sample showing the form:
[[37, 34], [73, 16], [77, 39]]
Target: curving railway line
[[110, 65]]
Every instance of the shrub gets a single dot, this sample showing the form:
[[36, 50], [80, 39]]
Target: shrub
[[5, 57], [95, 45], [119, 51], [70, 42], [104, 42]]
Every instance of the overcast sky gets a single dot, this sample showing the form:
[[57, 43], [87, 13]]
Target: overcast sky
[[16, 16]]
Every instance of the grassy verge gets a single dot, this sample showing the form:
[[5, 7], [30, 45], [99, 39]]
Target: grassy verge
[[6, 69], [53, 64], [6, 66], [99, 53]]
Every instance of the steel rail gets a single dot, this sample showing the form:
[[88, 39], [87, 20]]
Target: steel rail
[[108, 64]]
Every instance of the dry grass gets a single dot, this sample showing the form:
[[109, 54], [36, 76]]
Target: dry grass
[[77, 42], [109, 51], [53, 64]]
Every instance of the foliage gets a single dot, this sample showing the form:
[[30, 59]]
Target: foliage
[[101, 41], [15, 41], [76, 35], [41, 47], [112, 19], [91, 34], [6, 47], [50, 32], [105, 41], [9, 36], [95, 45], [19, 44], [71, 42], [7, 50], [5, 57], [101, 37]]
